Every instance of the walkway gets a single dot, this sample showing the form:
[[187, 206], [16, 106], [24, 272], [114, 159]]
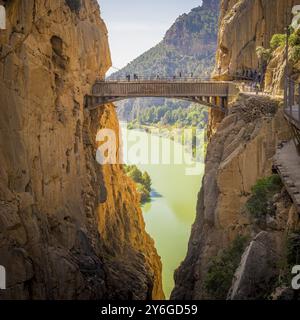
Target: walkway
[[210, 93], [287, 162]]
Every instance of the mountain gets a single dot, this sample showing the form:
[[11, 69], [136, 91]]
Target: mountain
[[189, 46]]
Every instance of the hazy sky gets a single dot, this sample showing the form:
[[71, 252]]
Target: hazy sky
[[135, 26]]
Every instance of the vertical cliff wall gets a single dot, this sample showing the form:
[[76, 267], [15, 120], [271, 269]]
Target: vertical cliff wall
[[257, 21], [69, 228], [240, 152]]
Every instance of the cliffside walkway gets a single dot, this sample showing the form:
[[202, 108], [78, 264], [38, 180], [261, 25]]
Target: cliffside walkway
[[292, 104], [287, 162], [214, 94], [287, 158]]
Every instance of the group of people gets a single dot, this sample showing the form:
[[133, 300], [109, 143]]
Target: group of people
[[136, 77], [254, 76], [249, 74]]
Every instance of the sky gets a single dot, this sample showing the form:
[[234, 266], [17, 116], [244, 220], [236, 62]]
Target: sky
[[134, 26]]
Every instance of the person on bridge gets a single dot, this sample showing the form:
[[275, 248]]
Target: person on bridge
[[256, 89], [128, 77], [250, 74], [192, 74], [180, 74], [255, 75], [135, 76]]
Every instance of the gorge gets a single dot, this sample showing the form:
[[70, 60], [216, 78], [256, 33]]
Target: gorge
[[71, 228]]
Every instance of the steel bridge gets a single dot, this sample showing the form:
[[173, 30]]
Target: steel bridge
[[214, 94]]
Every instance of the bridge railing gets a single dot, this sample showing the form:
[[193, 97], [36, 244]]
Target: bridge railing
[[148, 88], [292, 106], [156, 78]]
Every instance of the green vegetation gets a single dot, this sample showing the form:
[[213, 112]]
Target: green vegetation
[[264, 55], [188, 48], [220, 274], [171, 116], [260, 203], [142, 180], [278, 40], [167, 61], [180, 51], [296, 54], [174, 116], [294, 39]]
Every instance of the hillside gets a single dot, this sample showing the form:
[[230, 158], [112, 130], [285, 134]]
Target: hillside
[[189, 46]]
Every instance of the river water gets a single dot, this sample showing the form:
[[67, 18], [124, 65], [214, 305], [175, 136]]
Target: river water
[[171, 212]]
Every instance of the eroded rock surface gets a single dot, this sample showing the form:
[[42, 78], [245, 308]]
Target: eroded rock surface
[[69, 228], [258, 268], [239, 153], [245, 25]]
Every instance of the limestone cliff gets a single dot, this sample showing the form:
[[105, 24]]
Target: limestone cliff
[[241, 150], [244, 25], [69, 228], [239, 153]]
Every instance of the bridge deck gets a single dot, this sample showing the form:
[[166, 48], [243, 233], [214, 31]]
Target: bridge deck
[[209, 93], [161, 88], [287, 161]]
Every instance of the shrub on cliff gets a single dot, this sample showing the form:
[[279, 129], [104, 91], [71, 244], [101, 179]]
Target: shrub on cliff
[[278, 40], [142, 180], [264, 55], [144, 193], [260, 203], [221, 271], [296, 54]]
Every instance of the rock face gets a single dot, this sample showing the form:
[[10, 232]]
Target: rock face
[[241, 149], [245, 25], [69, 228], [258, 268], [195, 33], [239, 153]]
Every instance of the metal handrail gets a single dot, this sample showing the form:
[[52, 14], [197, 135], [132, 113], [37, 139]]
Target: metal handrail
[[292, 104], [160, 79]]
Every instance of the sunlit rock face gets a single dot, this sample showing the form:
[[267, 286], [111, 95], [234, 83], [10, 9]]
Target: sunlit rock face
[[245, 25], [69, 228], [240, 152]]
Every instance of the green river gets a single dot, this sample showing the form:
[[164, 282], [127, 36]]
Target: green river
[[171, 212]]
